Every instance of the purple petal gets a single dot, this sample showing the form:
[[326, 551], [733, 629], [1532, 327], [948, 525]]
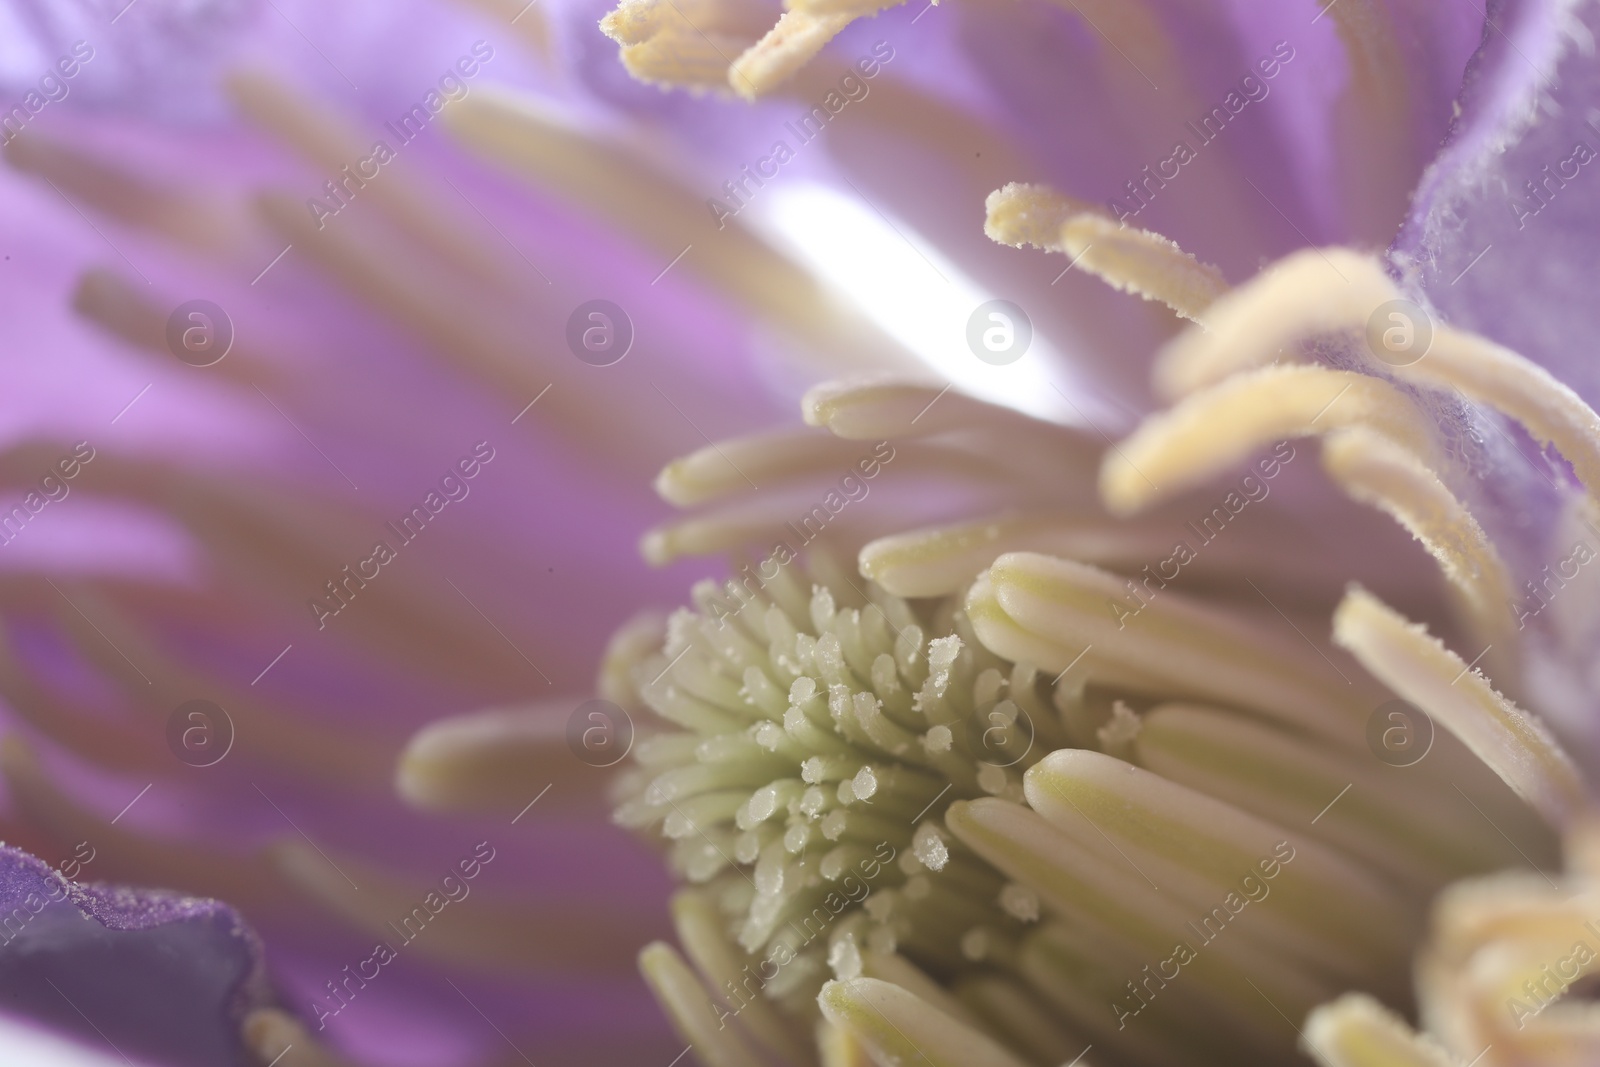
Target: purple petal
[[1491, 254], [154, 974]]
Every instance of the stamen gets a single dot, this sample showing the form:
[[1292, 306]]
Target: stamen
[[1129, 259], [1374, 470], [754, 520], [465, 328], [895, 969], [854, 8], [1412, 833], [1194, 847], [894, 409], [1008, 1007], [104, 634], [1022, 214], [945, 559], [657, 209], [898, 1027], [718, 470], [1215, 429], [123, 309], [684, 56], [428, 212], [1502, 379], [1059, 614], [688, 43], [1500, 970], [203, 223], [494, 933], [249, 881], [1143, 262], [798, 36], [693, 1010], [278, 1038], [1379, 151], [485, 761], [636, 21], [1513, 743], [1306, 293], [699, 927], [837, 1047], [1112, 923], [1357, 1031]]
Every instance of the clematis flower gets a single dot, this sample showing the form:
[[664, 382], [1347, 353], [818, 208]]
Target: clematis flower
[[1001, 743], [1061, 776]]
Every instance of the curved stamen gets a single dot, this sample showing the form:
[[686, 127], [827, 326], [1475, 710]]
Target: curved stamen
[[1306, 293], [693, 1011], [943, 560], [730, 465], [1379, 175], [495, 933], [1499, 378], [1357, 1031], [1130, 921], [699, 926], [1376, 471], [660, 211], [1323, 905], [1513, 743], [1126, 258], [1215, 429], [125, 310], [276, 1037], [898, 408], [798, 36], [423, 209], [207, 224], [1057, 613], [1401, 827], [485, 760], [1022, 214], [899, 1027], [1143, 262]]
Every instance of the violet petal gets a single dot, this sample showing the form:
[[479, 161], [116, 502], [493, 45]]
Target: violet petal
[[157, 975]]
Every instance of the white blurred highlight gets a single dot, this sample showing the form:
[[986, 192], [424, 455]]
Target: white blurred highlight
[[914, 294], [23, 1042]]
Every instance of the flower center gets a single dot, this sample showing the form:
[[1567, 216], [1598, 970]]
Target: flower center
[[1130, 856], [816, 750]]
